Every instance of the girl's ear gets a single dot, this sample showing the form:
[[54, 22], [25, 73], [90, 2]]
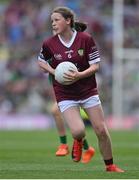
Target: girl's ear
[[68, 20]]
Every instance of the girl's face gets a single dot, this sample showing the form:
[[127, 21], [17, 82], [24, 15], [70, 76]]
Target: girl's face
[[59, 23]]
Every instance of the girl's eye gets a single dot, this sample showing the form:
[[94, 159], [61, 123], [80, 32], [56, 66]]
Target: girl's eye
[[55, 20]]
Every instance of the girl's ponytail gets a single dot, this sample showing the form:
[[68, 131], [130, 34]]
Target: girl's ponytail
[[80, 26]]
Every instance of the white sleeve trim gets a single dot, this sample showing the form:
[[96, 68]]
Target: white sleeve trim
[[42, 60], [94, 61]]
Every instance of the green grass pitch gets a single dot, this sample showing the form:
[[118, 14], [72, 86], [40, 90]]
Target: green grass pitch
[[31, 155]]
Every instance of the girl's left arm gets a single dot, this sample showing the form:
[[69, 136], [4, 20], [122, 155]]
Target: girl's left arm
[[76, 75], [88, 72]]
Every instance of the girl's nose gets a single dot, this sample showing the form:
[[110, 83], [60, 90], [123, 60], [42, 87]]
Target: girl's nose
[[53, 23]]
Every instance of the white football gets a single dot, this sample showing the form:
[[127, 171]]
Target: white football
[[62, 68]]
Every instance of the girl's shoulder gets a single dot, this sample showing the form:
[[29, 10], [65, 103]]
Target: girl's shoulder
[[84, 35], [50, 40]]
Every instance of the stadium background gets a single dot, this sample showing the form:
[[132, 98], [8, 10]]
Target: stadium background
[[25, 93]]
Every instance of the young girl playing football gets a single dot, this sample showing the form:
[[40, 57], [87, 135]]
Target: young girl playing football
[[63, 148], [80, 49]]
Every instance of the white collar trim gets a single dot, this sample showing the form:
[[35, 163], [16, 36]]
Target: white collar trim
[[70, 42]]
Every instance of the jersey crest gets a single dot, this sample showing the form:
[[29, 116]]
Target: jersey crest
[[80, 52]]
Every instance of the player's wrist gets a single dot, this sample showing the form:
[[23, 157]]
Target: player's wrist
[[82, 75]]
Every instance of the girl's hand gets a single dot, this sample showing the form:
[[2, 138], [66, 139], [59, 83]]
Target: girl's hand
[[72, 76]]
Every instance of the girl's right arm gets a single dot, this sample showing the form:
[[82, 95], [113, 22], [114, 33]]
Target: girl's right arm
[[46, 67]]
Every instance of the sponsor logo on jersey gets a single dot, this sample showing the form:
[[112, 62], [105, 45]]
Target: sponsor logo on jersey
[[58, 56], [81, 52], [94, 48]]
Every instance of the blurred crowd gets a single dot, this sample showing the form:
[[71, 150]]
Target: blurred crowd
[[24, 24]]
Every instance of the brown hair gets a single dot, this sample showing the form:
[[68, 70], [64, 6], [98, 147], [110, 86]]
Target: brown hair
[[80, 26], [68, 13]]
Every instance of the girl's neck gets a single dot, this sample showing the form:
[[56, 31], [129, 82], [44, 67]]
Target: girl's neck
[[67, 36]]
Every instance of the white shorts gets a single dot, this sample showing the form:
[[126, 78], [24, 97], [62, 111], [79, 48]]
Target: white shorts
[[86, 103]]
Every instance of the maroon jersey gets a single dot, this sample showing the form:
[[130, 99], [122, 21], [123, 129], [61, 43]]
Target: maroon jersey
[[82, 52]]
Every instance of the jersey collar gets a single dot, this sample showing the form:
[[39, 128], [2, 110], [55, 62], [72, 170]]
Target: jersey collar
[[70, 42]]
